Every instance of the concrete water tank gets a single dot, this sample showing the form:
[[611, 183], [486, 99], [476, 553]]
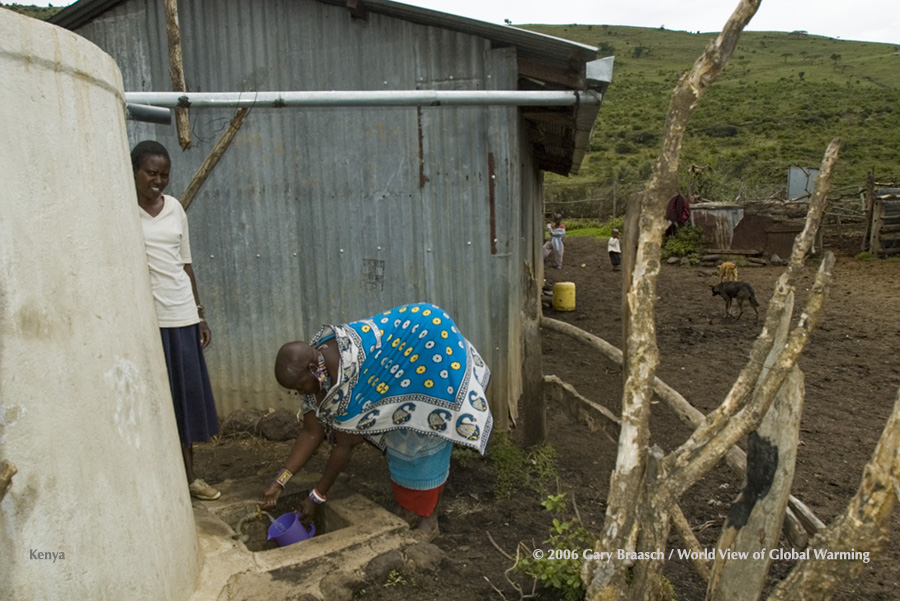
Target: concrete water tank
[[99, 508]]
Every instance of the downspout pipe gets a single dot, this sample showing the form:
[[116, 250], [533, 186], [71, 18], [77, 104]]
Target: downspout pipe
[[364, 98]]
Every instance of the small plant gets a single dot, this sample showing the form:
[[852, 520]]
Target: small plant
[[542, 466], [518, 469], [568, 540], [464, 456], [865, 256], [509, 461], [395, 578]]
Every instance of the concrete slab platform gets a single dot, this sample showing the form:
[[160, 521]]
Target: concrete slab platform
[[354, 530]]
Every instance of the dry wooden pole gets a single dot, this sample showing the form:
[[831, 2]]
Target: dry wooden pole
[[862, 531], [877, 223], [870, 200], [176, 72], [213, 159], [755, 519], [533, 404], [687, 413], [7, 471], [683, 527]]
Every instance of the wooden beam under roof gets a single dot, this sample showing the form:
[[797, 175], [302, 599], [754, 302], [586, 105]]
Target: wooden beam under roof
[[557, 117], [535, 69]]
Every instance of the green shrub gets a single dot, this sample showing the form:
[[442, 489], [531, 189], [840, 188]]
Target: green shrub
[[516, 469], [687, 241], [509, 461]]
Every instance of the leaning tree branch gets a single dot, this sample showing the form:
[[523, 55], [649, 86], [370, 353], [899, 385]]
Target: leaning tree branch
[[863, 527]]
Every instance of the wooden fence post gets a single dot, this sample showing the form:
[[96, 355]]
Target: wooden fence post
[[869, 199], [533, 403], [176, 72]]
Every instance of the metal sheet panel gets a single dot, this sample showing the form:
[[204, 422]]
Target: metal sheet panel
[[329, 215]]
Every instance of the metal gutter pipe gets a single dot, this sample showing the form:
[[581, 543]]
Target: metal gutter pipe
[[364, 98], [148, 114]]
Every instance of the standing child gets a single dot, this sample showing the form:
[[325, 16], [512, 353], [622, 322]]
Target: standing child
[[555, 243], [615, 250]]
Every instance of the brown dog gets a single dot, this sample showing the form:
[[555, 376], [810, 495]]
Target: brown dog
[[727, 271]]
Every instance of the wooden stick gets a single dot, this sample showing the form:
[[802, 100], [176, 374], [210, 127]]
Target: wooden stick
[[176, 72], [683, 527], [213, 159]]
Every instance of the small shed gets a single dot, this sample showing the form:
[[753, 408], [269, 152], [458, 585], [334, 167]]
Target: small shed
[[331, 214], [745, 230]]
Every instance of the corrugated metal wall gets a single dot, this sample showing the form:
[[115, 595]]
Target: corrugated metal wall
[[330, 215]]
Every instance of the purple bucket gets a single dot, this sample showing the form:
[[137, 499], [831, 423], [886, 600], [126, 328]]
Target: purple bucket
[[288, 529]]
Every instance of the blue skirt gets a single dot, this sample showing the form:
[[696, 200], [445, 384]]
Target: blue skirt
[[195, 408]]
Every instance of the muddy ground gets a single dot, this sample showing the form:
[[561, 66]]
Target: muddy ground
[[852, 378]]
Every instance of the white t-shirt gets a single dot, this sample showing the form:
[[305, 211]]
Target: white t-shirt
[[168, 247], [613, 245]]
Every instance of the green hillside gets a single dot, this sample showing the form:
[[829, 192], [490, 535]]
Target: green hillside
[[30, 10], [781, 99]]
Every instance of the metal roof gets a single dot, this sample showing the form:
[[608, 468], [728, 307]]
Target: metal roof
[[560, 135]]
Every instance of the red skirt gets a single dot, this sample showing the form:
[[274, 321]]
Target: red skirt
[[422, 502]]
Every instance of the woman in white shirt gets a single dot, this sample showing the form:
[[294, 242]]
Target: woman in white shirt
[[182, 325]]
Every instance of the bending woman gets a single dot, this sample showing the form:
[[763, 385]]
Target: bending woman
[[405, 380], [184, 330]]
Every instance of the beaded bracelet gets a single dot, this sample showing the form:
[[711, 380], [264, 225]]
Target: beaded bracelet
[[283, 477], [317, 497]]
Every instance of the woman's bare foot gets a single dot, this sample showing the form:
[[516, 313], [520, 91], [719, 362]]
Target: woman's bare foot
[[428, 529], [411, 517]]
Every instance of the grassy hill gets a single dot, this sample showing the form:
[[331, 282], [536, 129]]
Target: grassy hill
[[781, 99], [29, 10]]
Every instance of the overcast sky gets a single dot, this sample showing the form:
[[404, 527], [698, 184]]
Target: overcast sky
[[867, 20]]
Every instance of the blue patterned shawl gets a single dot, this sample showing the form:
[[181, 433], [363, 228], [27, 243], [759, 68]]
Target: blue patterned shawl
[[408, 367]]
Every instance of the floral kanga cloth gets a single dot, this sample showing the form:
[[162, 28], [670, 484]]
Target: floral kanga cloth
[[408, 367]]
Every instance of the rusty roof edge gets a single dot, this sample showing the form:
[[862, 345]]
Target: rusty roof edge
[[77, 14]]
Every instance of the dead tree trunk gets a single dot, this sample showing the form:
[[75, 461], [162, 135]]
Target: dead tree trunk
[[176, 71], [633, 483]]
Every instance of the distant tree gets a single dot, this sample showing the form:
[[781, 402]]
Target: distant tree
[[801, 74], [639, 51], [835, 57], [787, 55], [606, 48]]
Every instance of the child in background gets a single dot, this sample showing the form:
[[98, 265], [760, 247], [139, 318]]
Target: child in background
[[555, 243], [615, 250]]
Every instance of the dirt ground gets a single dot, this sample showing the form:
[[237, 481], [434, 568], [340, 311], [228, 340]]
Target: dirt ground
[[852, 378]]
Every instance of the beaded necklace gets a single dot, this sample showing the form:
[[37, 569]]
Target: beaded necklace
[[321, 374]]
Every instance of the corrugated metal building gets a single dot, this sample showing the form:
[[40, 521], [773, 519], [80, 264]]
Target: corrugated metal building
[[328, 215]]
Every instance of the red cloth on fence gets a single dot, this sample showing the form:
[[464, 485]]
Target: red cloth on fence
[[422, 502]]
